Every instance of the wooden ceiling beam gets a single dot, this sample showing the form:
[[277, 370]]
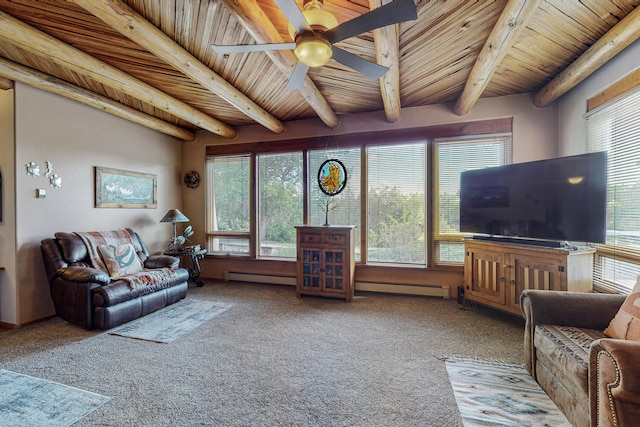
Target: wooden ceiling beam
[[48, 83], [253, 19], [387, 43], [5, 84], [609, 45], [513, 19], [122, 18], [35, 41]]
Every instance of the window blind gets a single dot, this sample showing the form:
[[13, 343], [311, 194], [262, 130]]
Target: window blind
[[615, 128], [396, 203], [454, 156]]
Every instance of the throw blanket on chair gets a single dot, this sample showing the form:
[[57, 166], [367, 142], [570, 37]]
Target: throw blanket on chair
[[153, 277], [93, 239], [158, 277]]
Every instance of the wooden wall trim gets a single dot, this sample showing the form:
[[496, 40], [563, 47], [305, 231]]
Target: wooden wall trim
[[368, 138], [626, 84]]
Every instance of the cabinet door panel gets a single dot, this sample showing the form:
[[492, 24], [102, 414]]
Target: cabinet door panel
[[487, 276], [533, 273], [311, 268]]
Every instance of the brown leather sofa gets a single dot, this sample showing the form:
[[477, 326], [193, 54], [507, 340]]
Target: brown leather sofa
[[593, 379], [90, 298]]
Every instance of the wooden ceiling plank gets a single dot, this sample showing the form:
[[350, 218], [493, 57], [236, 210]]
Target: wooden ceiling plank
[[128, 22], [48, 83], [249, 14], [387, 43], [35, 41], [512, 21], [609, 45]]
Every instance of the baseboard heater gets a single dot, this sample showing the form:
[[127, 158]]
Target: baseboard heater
[[259, 278], [390, 288], [397, 288]]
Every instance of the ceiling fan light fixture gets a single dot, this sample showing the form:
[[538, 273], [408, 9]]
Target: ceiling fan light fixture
[[313, 51]]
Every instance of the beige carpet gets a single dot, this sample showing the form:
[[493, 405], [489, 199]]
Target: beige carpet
[[275, 360]]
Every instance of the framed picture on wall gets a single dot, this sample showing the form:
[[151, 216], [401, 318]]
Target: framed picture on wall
[[117, 188]]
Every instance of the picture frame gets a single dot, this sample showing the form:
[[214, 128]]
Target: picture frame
[[116, 188]]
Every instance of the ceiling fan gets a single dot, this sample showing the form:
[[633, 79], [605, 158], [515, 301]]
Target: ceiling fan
[[315, 31]]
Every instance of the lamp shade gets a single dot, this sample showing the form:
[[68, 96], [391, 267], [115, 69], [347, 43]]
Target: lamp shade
[[174, 215]]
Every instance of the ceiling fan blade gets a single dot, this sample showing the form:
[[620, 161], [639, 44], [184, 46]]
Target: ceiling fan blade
[[240, 48], [297, 77], [293, 13], [391, 13], [368, 68]]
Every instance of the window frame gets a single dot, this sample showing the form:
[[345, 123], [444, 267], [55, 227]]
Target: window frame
[[363, 140]]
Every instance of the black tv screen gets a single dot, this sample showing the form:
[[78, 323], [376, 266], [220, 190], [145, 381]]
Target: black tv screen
[[560, 199]]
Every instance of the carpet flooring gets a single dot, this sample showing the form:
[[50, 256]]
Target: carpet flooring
[[172, 322], [275, 360], [500, 394], [26, 401]]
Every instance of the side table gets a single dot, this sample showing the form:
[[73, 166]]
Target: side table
[[196, 256]]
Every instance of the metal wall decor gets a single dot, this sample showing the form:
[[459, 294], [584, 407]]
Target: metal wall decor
[[192, 179], [332, 177], [33, 169]]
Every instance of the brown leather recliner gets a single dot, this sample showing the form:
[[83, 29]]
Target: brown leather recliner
[[594, 380], [90, 298]]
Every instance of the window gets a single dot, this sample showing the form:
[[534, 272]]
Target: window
[[402, 192], [451, 157], [280, 203], [228, 211], [344, 208], [615, 128], [396, 204]]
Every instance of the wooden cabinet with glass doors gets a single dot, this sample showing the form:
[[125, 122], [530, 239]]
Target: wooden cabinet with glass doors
[[326, 261], [495, 274]]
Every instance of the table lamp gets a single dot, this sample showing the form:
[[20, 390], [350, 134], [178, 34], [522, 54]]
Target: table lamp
[[174, 216]]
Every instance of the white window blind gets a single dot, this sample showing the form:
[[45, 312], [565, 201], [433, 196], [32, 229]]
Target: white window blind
[[344, 208], [280, 203], [396, 203], [452, 156], [228, 204], [615, 128]]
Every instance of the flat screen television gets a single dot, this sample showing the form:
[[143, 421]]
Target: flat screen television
[[560, 199]]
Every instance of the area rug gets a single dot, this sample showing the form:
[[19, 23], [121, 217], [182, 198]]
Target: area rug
[[28, 401], [500, 394], [171, 322]]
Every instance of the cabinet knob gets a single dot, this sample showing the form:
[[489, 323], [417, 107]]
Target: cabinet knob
[[513, 282], [502, 279]]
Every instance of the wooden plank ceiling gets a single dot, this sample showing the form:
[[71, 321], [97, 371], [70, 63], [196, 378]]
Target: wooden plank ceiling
[[151, 61]]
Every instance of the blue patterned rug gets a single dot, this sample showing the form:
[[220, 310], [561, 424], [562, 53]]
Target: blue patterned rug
[[500, 394], [27, 401], [172, 322]]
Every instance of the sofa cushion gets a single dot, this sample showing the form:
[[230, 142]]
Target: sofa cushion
[[73, 249], [567, 349], [120, 260], [120, 290], [626, 323]]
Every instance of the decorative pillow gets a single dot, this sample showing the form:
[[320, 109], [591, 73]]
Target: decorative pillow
[[121, 259], [626, 324]]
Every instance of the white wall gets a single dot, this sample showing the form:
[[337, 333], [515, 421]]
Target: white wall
[[535, 133], [573, 105], [76, 138]]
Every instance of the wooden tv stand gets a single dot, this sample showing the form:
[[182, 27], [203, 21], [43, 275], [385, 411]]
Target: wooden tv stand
[[495, 273]]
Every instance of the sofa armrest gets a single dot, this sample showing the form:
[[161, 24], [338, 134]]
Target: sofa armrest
[[614, 382], [579, 309], [160, 261], [84, 275]]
